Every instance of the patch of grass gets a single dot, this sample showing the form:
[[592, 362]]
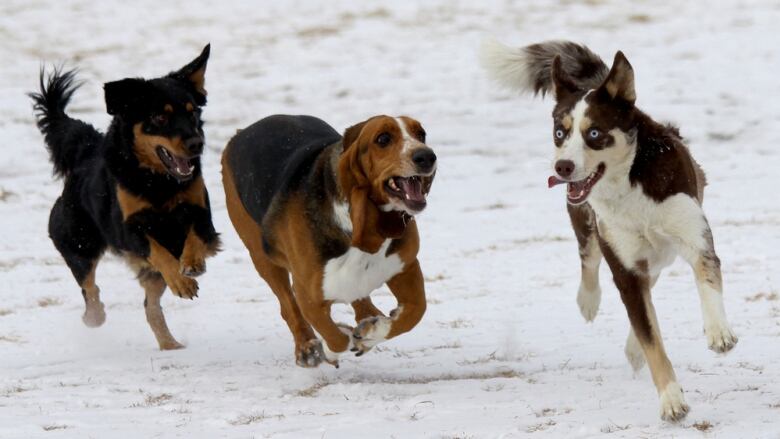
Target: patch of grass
[[11, 339], [771, 296], [540, 427], [613, 427], [55, 427], [703, 426], [151, 400], [254, 418], [49, 301]]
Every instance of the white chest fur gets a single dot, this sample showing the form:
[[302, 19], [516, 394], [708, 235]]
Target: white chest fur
[[639, 228], [355, 274]]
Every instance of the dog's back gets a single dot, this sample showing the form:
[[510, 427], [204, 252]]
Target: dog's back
[[271, 156]]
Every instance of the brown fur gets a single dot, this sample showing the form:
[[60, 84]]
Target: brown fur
[[294, 264], [145, 148]]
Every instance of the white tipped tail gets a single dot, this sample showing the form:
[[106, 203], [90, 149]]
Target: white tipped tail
[[505, 65], [529, 68]]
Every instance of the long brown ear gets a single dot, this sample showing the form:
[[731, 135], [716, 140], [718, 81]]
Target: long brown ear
[[365, 221], [563, 85], [620, 80], [356, 186]]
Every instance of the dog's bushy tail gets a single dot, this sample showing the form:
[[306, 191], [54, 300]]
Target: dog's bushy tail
[[529, 68], [68, 140]]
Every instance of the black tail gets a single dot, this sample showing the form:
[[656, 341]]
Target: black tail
[[68, 140], [530, 68]]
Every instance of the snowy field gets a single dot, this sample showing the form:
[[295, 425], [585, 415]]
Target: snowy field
[[502, 350]]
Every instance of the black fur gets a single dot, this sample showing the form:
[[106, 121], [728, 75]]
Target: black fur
[[281, 155], [86, 219]]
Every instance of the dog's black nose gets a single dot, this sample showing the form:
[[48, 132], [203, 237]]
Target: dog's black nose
[[564, 168], [194, 145], [424, 158]]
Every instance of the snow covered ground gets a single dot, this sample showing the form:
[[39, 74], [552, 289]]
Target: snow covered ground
[[502, 351]]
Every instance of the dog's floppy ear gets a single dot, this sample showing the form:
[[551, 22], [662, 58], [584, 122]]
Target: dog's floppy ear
[[363, 213], [563, 85], [125, 96], [195, 73], [620, 80]]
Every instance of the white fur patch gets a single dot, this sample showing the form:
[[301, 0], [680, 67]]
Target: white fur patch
[[355, 274], [573, 148], [673, 405]]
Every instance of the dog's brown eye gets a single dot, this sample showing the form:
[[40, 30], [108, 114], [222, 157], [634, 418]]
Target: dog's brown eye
[[383, 139], [421, 135], [160, 119]]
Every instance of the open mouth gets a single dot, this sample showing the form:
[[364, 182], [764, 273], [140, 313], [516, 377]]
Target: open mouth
[[180, 168], [578, 191], [409, 190]]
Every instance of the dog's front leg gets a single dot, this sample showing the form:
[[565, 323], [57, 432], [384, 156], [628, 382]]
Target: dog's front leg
[[408, 287], [168, 266]]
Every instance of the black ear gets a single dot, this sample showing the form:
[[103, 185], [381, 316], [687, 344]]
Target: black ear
[[620, 80], [195, 72], [125, 96], [563, 85]]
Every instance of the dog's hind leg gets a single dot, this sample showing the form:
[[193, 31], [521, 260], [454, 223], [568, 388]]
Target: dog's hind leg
[[308, 349], [633, 349], [81, 245], [583, 220], [154, 287], [695, 244]]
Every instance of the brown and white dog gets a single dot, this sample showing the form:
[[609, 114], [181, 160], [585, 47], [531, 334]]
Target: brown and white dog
[[336, 217], [634, 194]]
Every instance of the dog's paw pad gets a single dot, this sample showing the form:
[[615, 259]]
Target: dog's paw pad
[[721, 338], [370, 332], [94, 315], [309, 354], [589, 302], [673, 405], [193, 270], [184, 287]]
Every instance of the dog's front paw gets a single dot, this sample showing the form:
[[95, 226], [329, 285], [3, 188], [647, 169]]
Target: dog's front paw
[[370, 332], [193, 268], [673, 405], [720, 338], [589, 302], [309, 354], [182, 286]]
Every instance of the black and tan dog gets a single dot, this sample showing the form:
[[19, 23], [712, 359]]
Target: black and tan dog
[[336, 217], [634, 195], [136, 190]]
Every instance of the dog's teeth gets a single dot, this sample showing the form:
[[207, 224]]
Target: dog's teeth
[[407, 196]]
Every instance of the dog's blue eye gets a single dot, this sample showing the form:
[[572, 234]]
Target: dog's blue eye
[[594, 134], [559, 134]]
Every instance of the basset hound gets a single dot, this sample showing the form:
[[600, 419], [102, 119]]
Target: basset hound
[[329, 219]]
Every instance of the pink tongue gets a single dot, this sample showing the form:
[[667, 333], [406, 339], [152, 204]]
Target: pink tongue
[[182, 165], [554, 181], [412, 188]]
